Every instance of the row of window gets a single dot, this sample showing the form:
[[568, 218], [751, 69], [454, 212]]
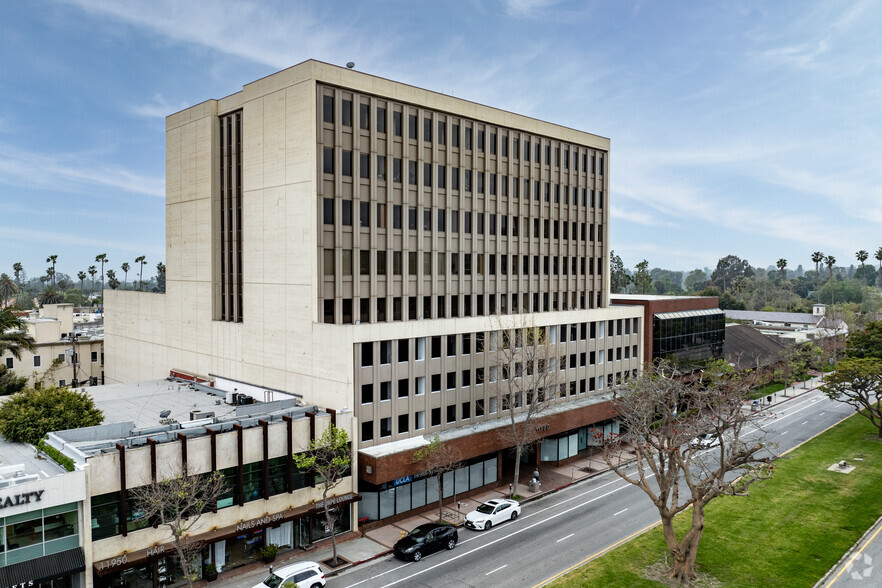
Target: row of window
[[458, 178], [385, 309], [38, 360], [454, 412], [483, 141], [105, 507], [472, 223], [30, 535], [462, 344], [484, 264]]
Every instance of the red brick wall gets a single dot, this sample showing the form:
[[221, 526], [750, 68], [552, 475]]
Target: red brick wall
[[390, 467]]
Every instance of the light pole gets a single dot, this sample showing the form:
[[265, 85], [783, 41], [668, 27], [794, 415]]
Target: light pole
[[73, 339]]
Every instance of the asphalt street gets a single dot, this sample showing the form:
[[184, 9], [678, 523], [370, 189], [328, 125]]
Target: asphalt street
[[571, 526]]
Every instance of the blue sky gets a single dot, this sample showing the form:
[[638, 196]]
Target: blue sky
[[749, 128]]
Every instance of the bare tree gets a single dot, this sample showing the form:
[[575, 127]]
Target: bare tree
[[858, 382], [661, 412], [177, 503], [437, 458], [527, 377], [329, 457]]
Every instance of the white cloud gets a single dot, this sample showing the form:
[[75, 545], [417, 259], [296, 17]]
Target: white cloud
[[526, 8], [158, 107], [803, 55], [278, 37], [68, 172]]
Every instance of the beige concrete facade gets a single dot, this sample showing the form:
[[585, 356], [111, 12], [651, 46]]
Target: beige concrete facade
[[52, 362], [295, 332]]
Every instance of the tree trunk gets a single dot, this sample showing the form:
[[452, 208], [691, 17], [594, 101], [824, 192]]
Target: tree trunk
[[684, 551], [440, 500], [330, 524], [517, 472]]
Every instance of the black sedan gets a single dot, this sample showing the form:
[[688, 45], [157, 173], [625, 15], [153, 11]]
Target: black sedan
[[426, 539]]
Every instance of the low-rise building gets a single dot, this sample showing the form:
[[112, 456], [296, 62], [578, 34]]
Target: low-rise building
[[68, 352]]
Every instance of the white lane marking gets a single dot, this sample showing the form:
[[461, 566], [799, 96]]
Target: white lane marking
[[564, 538], [822, 414], [803, 422], [496, 570], [620, 512], [504, 537], [784, 433]]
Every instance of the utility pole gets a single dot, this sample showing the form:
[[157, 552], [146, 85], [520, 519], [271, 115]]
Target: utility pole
[[73, 338]]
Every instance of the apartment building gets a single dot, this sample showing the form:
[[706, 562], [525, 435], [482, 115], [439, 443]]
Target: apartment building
[[66, 354], [363, 243]]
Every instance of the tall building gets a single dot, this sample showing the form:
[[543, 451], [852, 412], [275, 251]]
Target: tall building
[[359, 242]]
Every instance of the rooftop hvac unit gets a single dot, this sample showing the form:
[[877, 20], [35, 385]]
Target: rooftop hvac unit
[[201, 414]]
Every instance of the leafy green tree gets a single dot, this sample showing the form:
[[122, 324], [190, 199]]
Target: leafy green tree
[[866, 274], [866, 343], [74, 297], [858, 382], [837, 291], [619, 278], [729, 268], [642, 279], [9, 382], [328, 457], [7, 288], [696, 280], [14, 336], [26, 417]]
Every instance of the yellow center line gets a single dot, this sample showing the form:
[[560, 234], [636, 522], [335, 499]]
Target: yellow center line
[[598, 554], [851, 561]]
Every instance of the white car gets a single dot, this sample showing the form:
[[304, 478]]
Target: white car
[[705, 441], [306, 574], [492, 513]]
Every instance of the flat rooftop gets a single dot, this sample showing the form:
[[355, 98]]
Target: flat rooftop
[[20, 462], [141, 402]]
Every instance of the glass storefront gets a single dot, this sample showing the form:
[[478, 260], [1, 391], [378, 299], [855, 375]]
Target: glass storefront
[[569, 444], [37, 533], [407, 493]]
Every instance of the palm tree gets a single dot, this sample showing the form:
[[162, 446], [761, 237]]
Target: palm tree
[[862, 256], [103, 259], [142, 259], [82, 277], [111, 279], [92, 271], [50, 296], [782, 265], [829, 261], [18, 270], [50, 275], [14, 335], [7, 288], [125, 268], [52, 259]]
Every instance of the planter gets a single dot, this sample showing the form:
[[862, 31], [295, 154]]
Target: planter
[[269, 558]]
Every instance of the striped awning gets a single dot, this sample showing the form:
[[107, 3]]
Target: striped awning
[[44, 568]]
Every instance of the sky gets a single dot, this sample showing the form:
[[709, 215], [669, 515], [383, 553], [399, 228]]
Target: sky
[[749, 128]]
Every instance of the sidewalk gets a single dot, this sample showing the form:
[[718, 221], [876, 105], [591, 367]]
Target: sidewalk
[[379, 541]]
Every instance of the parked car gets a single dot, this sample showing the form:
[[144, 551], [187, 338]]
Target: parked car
[[306, 574], [705, 441], [492, 513], [424, 540]]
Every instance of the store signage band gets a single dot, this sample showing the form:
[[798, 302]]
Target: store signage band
[[19, 499]]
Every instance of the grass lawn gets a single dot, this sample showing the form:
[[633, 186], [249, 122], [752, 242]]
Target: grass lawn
[[788, 532], [766, 390]]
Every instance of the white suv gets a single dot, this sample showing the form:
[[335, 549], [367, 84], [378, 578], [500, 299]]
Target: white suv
[[306, 574]]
